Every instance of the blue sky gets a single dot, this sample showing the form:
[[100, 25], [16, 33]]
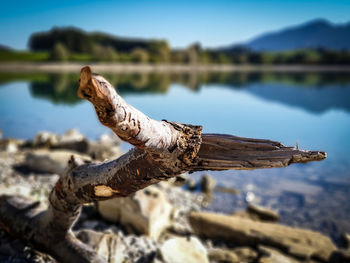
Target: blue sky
[[212, 23]]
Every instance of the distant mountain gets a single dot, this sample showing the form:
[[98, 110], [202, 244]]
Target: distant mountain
[[318, 33]]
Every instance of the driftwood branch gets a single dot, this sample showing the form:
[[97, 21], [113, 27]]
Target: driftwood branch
[[163, 150], [223, 152]]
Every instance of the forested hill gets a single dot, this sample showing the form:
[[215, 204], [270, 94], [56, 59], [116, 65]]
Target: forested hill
[[79, 41]]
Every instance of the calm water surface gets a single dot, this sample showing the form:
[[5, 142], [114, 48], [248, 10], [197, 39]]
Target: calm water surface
[[311, 109]]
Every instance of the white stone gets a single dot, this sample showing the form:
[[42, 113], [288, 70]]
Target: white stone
[[181, 249], [147, 211], [45, 138]]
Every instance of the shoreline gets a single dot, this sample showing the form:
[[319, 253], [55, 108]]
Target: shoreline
[[163, 68]]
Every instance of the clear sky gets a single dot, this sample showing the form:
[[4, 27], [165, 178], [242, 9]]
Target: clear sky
[[181, 22]]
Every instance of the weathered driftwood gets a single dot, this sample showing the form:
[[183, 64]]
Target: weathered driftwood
[[223, 152], [163, 150]]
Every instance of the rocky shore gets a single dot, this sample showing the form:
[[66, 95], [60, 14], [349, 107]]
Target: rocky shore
[[166, 222]]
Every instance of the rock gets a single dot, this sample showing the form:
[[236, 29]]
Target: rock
[[346, 238], [18, 189], [107, 147], [294, 241], [340, 256], [140, 249], [207, 184], [270, 255], [116, 247], [72, 140], [185, 201], [147, 211], [181, 249], [180, 180], [102, 152], [191, 184], [51, 161], [45, 139], [109, 139], [13, 251], [245, 214], [238, 254], [89, 237], [245, 254], [222, 255], [10, 145], [264, 214], [110, 246], [180, 229]]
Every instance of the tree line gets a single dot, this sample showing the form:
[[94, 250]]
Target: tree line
[[72, 44]]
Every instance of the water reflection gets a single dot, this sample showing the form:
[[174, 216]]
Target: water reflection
[[57, 89], [313, 92]]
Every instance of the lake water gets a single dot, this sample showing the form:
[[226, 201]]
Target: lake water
[[311, 109]]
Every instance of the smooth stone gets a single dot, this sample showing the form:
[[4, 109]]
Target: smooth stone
[[191, 184], [51, 161], [106, 147], [109, 139], [104, 152], [222, 255], [207, 184], [10, 145], [264, 214], [147, 211], [180, 180], [17, 189], [245, 254], [241, 231], [72, 140], [181, 249], [270, 255], [45, 139], [110, 246]]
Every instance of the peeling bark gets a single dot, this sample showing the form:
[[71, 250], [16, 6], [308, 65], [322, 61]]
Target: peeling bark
[[163, 149]]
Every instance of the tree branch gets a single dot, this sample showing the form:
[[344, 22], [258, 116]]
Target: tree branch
[[223, 152], [163, 150]]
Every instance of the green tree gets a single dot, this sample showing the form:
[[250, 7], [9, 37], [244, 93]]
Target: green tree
[[205, 57], [193, 52], [139, 55], [110, 54], [159, 51], [59, 53], [223, 58], [101, 53]]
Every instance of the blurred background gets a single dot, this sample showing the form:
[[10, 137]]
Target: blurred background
[[264, 69]]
